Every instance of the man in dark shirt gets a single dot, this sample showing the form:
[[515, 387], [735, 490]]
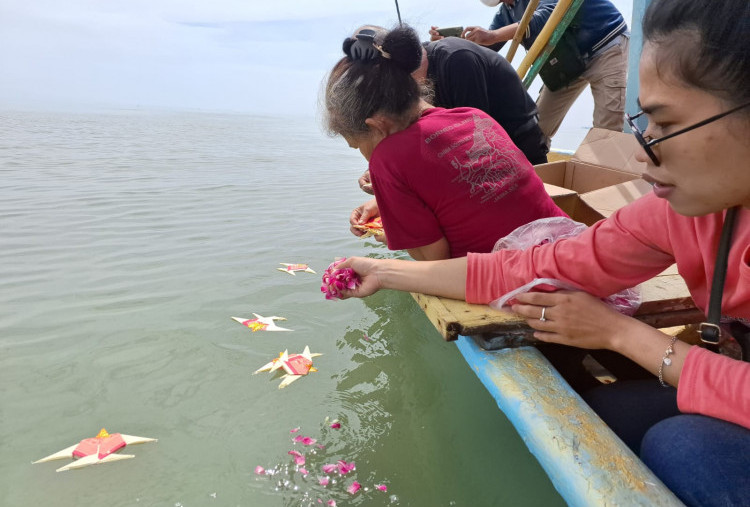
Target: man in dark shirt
[[464, 74]]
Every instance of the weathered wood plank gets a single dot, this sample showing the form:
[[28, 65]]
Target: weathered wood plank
[[666, 302]]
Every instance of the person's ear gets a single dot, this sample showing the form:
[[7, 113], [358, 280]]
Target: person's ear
[[380, 125]]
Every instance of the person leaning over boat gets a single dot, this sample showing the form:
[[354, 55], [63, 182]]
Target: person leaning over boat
[[465, 74], [459, 73], [693, 91], [447, 181], [601, 38]]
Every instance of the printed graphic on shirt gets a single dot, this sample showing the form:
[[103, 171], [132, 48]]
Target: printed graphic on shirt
[[491, 165]]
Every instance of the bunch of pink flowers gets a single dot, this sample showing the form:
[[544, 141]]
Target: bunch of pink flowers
[[335, 280]]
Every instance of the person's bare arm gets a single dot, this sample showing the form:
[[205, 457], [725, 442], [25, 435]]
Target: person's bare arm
[[485, 37], [432, 252], [446, 278]]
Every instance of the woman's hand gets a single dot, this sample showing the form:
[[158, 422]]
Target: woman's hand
[[367, 269], [573, 318], [365, 183], [362, 214], [434, 35]]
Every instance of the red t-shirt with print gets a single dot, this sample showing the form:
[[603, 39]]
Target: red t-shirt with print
[[455, 173]]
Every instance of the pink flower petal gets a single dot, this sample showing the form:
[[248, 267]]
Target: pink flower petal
[[353, 487], [308, 441], [344, 467], [299, 458], [298, 438], [381, 487], [334, 280], [303, 471], [294, 430], [323, 481], [331, 503], [336, 425], [259, 470], [328, 469]]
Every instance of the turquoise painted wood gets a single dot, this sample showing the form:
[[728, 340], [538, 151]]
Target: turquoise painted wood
[[634, 57], [587, 463]]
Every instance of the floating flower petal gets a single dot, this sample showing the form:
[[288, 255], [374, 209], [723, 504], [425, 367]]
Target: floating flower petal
[[324, 481], [344, 467], [304, 440], [381, 487], [353, 487], [259, 470], [299, 458], [328, 469], [336, 425]]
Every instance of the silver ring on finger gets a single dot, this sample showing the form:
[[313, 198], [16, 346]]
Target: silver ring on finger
[[543, 318]]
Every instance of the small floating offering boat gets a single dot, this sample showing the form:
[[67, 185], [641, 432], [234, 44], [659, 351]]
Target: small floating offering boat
[[99, 449], [260, 323], [295, 365], [372, 228], [293, 268]]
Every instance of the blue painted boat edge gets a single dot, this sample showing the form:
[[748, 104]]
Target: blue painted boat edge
[[586, 462]]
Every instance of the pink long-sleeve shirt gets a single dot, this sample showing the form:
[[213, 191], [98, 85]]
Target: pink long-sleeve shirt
[[637, 243]]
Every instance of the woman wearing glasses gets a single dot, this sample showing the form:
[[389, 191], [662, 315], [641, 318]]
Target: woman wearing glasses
[[695, 96]]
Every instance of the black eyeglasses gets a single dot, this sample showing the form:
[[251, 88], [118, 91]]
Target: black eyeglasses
[[647, 144]]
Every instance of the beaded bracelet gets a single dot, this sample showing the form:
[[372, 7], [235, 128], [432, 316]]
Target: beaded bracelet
[[666, 361]]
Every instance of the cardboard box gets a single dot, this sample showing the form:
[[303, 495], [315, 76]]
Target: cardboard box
[[600, 177]]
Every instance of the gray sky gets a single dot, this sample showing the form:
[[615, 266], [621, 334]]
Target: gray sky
[[258, 56]]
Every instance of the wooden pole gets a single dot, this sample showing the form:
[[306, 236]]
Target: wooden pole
[[522, 25]]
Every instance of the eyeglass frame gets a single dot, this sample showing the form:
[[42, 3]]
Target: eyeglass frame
[[646, 145]]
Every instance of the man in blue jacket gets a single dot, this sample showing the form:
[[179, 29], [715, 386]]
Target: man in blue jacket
[[601, 37]]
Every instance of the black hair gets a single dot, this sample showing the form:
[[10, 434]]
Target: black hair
[[704, 43], [358, 88]]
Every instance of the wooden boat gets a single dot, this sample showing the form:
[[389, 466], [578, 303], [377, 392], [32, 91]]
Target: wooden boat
[[587, 463]]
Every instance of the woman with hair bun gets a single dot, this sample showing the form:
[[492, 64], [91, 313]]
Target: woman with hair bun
[[446, 181]]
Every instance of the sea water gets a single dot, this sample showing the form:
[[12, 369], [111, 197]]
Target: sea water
[[127, 241]]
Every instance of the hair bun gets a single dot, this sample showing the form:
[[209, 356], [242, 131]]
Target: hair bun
[[402, 43]]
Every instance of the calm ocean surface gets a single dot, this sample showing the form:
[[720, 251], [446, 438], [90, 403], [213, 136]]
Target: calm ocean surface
[[128, 240]]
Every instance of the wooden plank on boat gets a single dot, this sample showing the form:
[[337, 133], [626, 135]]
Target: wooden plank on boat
[[587, 463], [666, 302]]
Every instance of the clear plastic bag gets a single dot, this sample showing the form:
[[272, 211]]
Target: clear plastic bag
[[540, 232], [549, 230]]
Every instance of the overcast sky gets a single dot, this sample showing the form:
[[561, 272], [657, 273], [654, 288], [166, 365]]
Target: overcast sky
[[259, 56]]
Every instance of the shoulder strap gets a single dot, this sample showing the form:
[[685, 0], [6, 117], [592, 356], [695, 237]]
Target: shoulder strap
[[710, 330]]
